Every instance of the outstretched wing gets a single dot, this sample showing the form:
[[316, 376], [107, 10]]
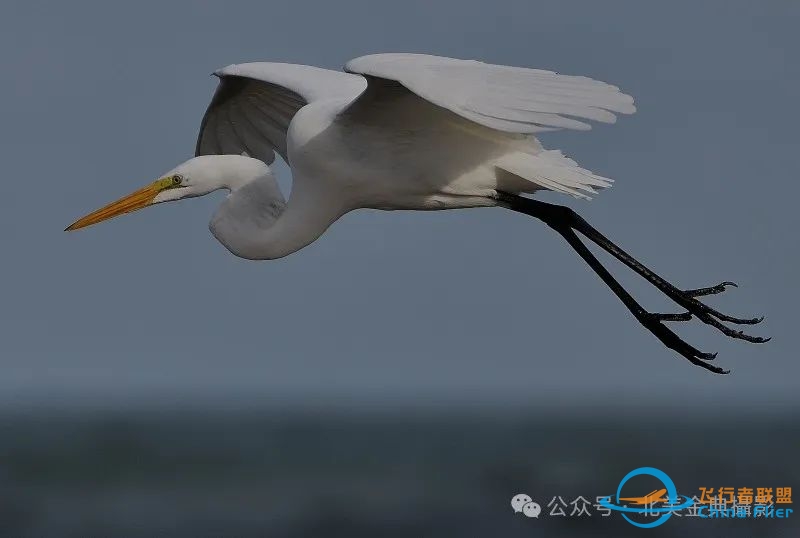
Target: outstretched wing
[[255, 102], [510, 99]]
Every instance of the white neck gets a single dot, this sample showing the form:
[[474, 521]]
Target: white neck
[[254, 222]]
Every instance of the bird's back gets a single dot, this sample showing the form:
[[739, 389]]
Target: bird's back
[[406, 153]]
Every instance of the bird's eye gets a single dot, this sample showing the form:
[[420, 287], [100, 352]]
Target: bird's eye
[[177, 179]]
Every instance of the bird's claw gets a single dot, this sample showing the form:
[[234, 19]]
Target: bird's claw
[[711, 290], [654, 322], [713, 317], [706, 314]]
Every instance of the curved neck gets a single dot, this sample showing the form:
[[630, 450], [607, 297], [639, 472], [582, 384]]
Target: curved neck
[[255, 223]]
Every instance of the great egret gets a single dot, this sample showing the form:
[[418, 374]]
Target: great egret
[[403, 131]]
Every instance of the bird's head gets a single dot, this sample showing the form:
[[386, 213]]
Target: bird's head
[[195, 177]]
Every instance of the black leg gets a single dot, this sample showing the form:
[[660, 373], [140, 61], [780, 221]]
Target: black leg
[[566, 222]]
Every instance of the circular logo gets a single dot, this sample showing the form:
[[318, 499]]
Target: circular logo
[[666, 511]]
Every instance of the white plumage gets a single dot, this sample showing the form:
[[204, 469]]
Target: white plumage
[[419, 132], [553, 171], [255, 103], [401, 131], [510, 99]]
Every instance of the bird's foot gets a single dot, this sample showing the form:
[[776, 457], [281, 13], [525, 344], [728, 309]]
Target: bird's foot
[[713, 317], [655, 324], [708, 315], [711, 290]]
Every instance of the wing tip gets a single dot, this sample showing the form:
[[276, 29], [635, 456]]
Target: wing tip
[[629, 105], [228, 70]]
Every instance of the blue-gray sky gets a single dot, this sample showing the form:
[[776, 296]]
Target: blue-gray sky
[[480, 305]]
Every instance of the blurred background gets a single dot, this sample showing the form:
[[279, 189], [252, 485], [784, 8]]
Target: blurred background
[[380, 382]]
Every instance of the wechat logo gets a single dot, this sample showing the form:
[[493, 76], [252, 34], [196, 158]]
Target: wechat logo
[[523, 503]]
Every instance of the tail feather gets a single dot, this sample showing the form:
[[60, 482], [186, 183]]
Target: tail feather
[[551, 170]]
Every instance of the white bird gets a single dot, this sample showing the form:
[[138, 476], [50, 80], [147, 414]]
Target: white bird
[[403, 131]]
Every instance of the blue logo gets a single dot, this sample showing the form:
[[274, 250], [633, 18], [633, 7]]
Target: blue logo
[[667, 497]]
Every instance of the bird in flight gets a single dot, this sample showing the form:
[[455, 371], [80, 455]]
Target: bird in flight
[[405, 131]]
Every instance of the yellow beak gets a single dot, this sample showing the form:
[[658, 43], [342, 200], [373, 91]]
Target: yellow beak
[[132, 202]]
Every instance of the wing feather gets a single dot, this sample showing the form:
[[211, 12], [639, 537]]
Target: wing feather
[[512, 99], [255, 103]]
